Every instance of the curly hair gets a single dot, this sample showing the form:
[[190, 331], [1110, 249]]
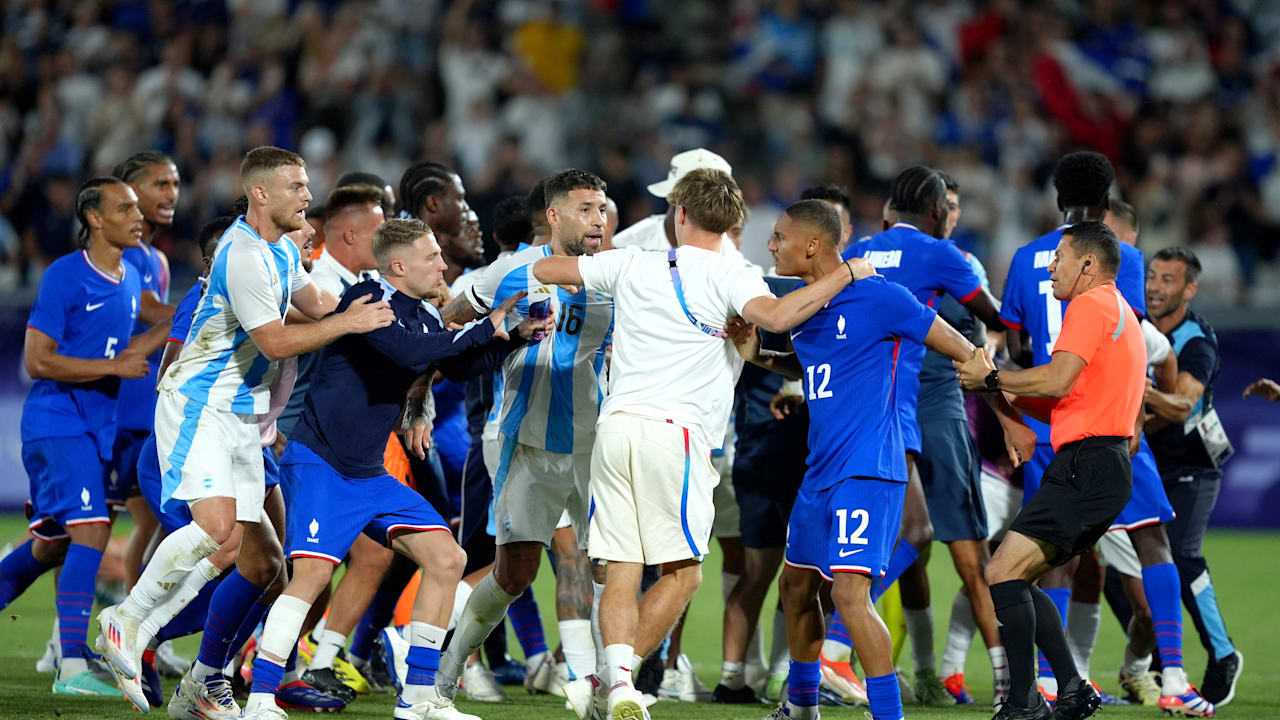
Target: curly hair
[[1082, 179]]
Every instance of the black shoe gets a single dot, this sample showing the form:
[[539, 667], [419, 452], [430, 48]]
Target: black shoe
[[649, 678], [1040, 711], [727, 696], [1219, 686], [326, 681], [1076, 701], [378, 666]]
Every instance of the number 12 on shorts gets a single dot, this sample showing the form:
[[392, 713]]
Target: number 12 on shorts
[[845, 517]]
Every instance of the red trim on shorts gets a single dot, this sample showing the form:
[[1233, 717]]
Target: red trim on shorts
[[854, 571], [419, 528], [811, 568], [1148, 522], [317, 556]]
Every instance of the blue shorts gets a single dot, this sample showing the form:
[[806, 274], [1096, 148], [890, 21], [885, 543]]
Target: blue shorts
[[1033, 470], [910, 428], [849, 527], [149, 485], [1148, 505], [121, 475], [326, 510], [270, 469], [950, 472], [65, 479]]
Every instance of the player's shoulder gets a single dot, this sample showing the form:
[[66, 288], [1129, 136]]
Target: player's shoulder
[[72, 265], [517, 259]]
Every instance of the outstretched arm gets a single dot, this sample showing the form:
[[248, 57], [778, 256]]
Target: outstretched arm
[[781, 314], [746, 338]]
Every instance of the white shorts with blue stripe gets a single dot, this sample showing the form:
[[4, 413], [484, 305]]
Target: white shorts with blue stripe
[[651, 483], [205, 452], [534, 489]]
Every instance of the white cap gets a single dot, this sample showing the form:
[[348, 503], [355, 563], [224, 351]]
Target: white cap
[[688, 160]]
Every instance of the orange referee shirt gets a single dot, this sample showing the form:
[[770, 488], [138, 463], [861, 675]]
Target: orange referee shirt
[[1101, 329]]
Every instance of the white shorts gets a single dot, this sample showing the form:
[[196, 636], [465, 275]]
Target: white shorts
[[1002, 502], [728, 519], [1116, 550], [534, 489], [205, 452], [652, 482]]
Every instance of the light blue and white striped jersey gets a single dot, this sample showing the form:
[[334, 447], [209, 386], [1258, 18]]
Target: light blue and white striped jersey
[[249, 285], [552, 390]]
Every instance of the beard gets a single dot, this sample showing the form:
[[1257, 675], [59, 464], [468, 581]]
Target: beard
[[576, 245], [287, 221]]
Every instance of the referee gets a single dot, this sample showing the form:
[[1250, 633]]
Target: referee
[[1095, 381]]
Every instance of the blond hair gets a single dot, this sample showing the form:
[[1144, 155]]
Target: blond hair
[[712, 199], [266, 158], [396, 233]]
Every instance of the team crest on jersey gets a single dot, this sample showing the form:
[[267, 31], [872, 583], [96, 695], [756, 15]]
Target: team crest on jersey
[[840, 328], [84, 499], [314, 527]]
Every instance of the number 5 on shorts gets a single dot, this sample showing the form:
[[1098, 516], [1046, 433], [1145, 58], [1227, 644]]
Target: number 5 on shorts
[[862, 517]]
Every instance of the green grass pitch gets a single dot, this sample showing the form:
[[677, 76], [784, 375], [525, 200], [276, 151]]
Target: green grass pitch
[[1245, 577]]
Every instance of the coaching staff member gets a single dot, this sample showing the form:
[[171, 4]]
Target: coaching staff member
[[1095, 381]]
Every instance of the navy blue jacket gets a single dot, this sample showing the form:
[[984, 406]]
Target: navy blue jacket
[[359, 383]]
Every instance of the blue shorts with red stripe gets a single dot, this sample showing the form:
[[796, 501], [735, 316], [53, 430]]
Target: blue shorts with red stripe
[[121, 475], [327, 510], [65, 479], [1148, 504], [849, 527]]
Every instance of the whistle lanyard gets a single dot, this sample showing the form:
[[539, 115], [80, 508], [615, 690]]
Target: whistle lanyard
[[675, 280]]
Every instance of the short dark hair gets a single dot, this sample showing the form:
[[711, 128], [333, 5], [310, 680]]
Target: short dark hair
[[1125, 212], [917, 190], [132, 166], [421, 181], [511, 225], [212, 232], [821, 216], [241, 205], [1083, 179], [837, 194], [268, 157], [1095, 237], [1188, 258], [89, 197], [949, 182], [344, 197], [535, 203], [357, 177], [566, 181]]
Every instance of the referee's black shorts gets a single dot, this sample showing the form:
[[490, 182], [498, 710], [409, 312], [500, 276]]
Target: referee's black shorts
[[1083, 490]]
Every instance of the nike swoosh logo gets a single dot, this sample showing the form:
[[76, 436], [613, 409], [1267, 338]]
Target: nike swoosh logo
[[847, 553], [90, 307], [796, 334]]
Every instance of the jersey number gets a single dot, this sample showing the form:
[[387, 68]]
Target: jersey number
[[859, 516], [570, 320], [111, 347], [819, 390], [1053, 313]]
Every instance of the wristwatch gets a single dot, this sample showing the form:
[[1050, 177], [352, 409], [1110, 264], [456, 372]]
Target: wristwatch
[[993, 380]]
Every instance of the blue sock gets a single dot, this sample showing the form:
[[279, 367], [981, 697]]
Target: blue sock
[[376, 617], [1161, 585], [266, 675], [802, 683], [884, 697], [189, 620], [231, 602], [1061, 598], [292, 663], [904, 555], [837, 632], [423, 663], [75, 597], [250, 623], [17, 571], [527, 623]]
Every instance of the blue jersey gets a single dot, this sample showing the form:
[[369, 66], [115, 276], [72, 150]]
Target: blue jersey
[[90, 315], [1029, 304], [180, 327], [929, 268], [138, 396], [850, 352]]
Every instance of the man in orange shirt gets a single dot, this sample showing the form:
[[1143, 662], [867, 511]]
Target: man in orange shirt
[[1096, 379]]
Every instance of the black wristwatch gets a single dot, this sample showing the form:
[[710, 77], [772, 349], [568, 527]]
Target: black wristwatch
[[993, 380]]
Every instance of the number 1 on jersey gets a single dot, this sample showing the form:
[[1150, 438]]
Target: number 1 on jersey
[[819, 390], [1053, 313]]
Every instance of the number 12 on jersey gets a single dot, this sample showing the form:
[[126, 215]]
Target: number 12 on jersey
[[822, 373]]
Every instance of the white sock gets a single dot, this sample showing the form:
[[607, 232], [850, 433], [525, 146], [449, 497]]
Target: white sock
[[175, 557], [619, 664], [71, 667], [279, 635], [484, 610], [732, 675], [960, 629], [202, 574], [1135, 664], [1173, 681], [1050, 684], [328, 643], [461, 595], [779, 652], [1082, 633], [427, 636], [579, 647], [597, 591], [999, 666], [920, 630], [319, 628]]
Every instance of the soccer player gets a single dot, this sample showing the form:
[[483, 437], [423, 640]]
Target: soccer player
[[1095, 381], [665, 411], [846, 518], [913, 253], [77, 350], [1188, 452], [382, 364], [551, 395], [206, 417]]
